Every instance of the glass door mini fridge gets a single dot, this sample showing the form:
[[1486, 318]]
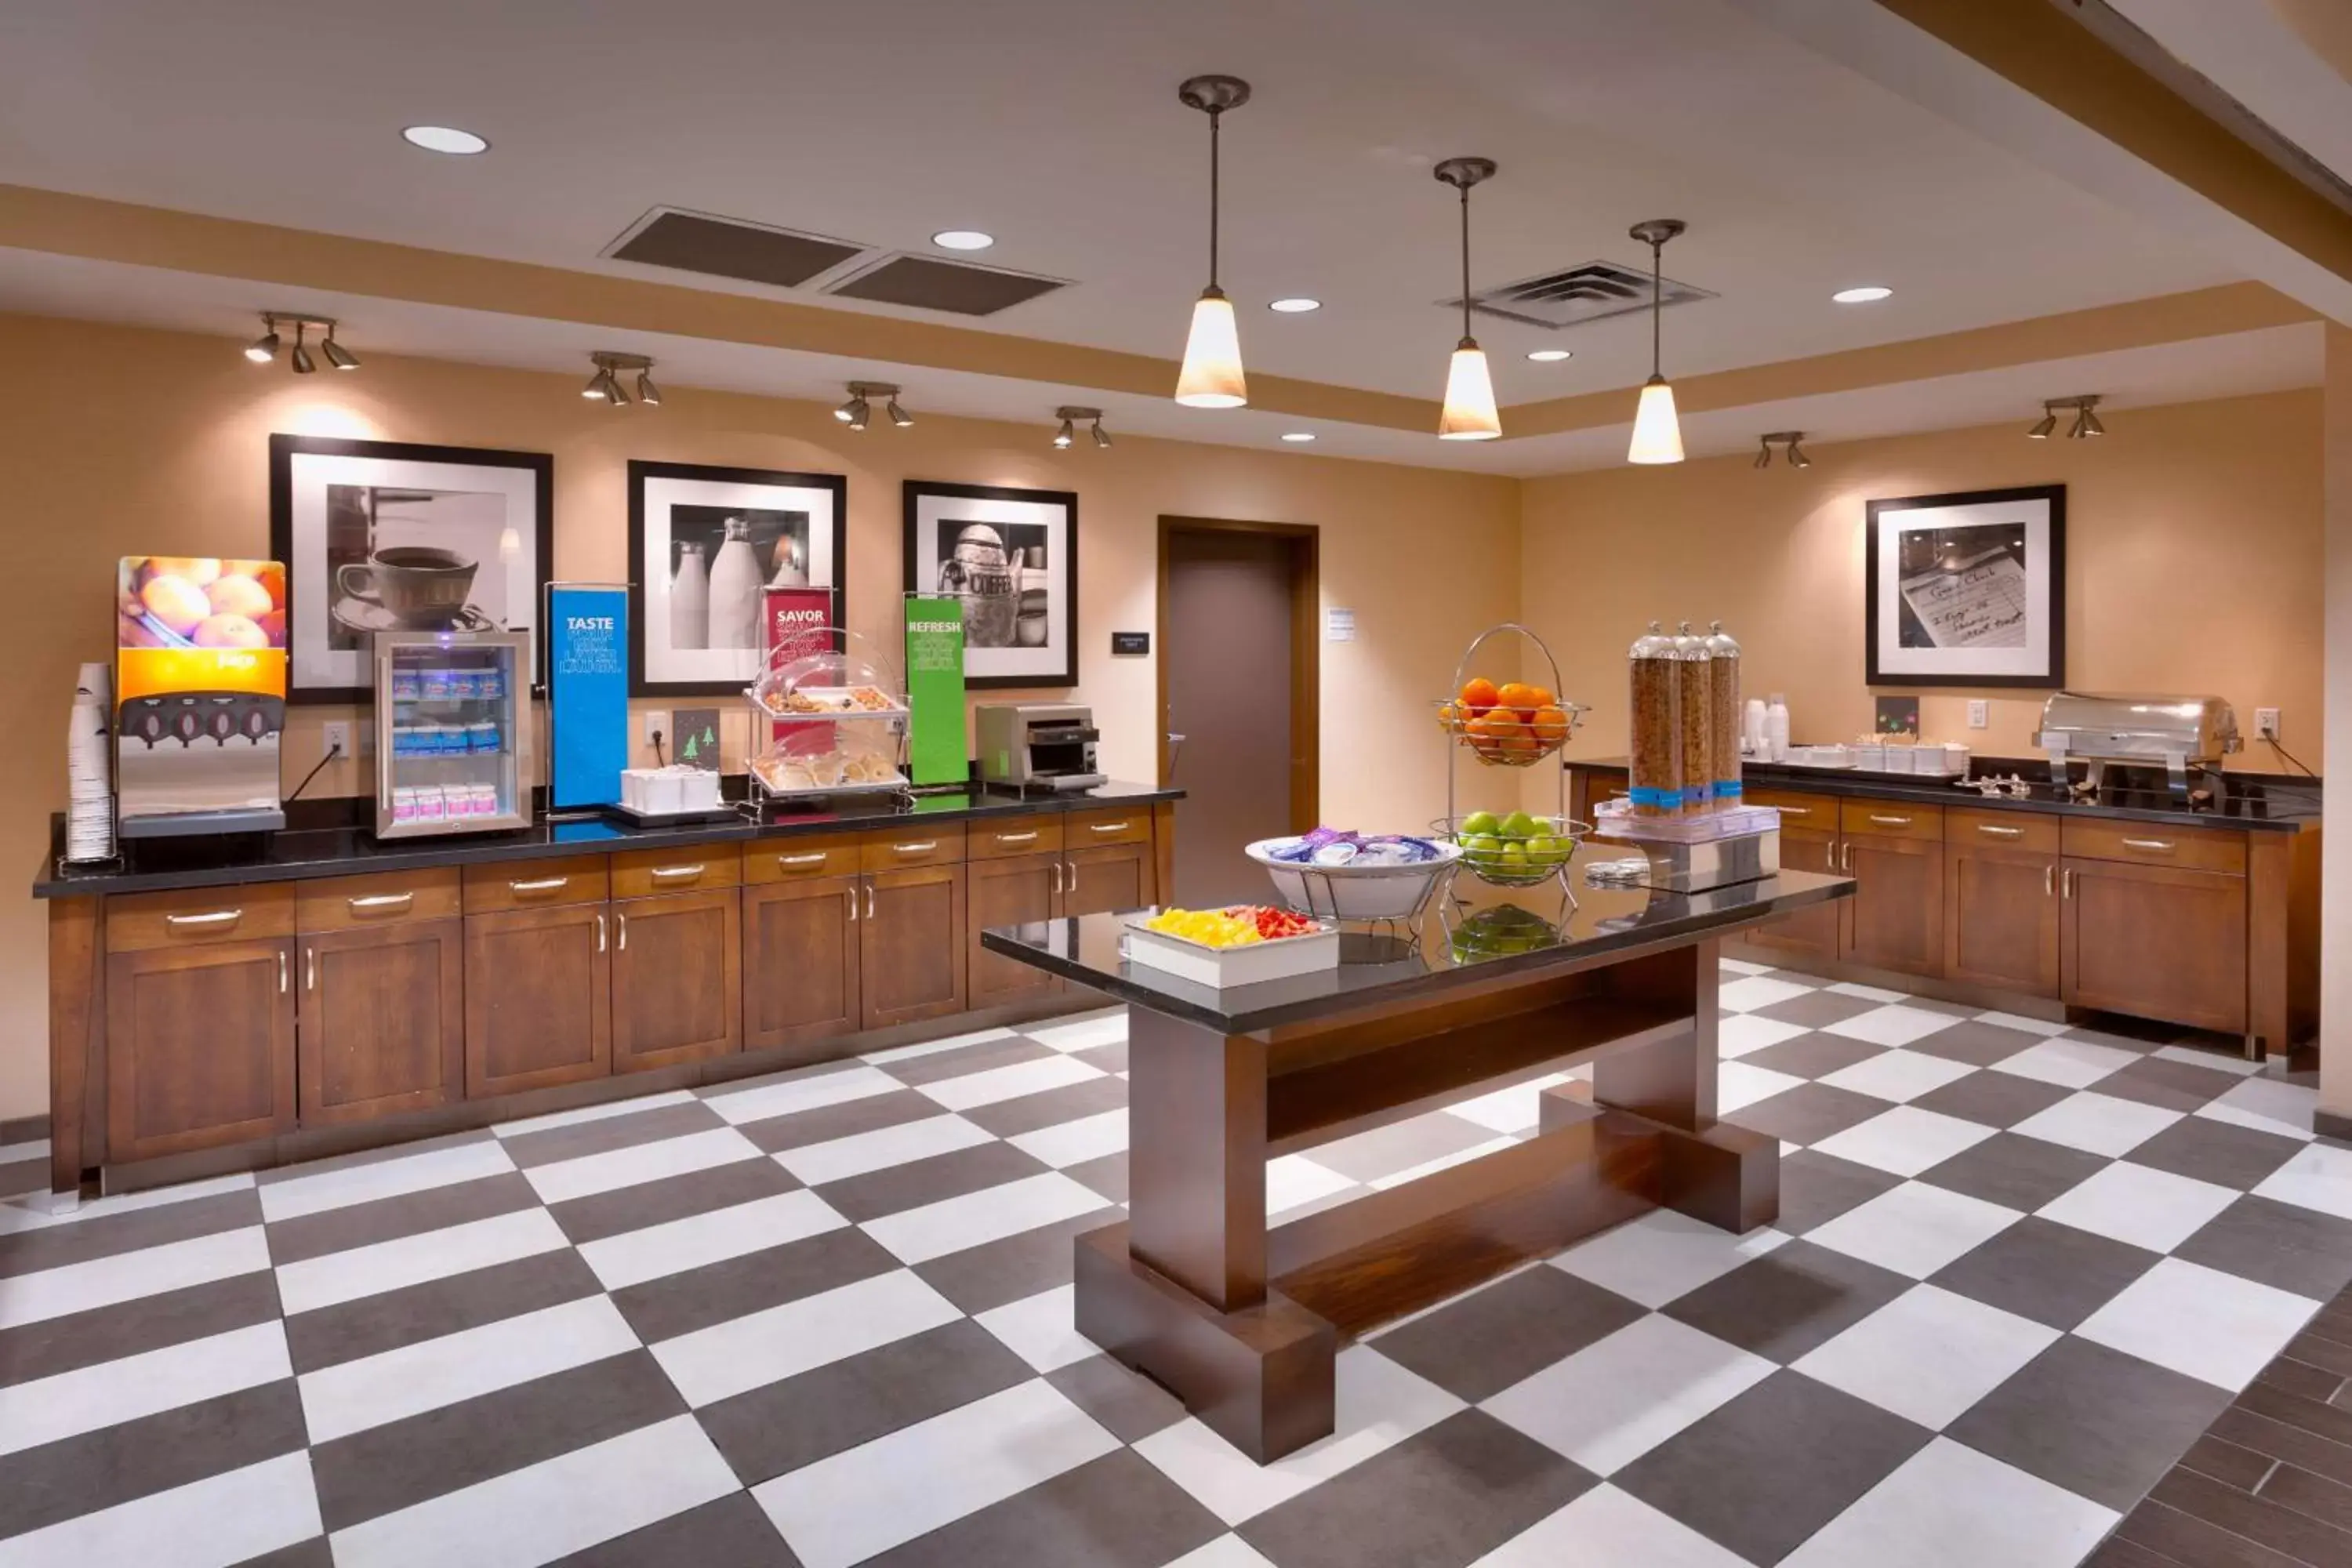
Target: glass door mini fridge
[[453, 732]]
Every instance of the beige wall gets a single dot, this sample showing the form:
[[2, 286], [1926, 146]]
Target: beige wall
[[2335, 851], [2192, 565]]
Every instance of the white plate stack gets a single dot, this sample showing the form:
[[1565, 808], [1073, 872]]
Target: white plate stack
[[90, 769]]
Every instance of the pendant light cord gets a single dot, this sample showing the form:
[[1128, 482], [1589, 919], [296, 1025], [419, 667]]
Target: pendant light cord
[[1657, 264], [1216, 126], [1465, 265]]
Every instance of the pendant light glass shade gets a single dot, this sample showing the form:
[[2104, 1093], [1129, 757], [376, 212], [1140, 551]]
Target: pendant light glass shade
[[1657, 434], [1212, 376], [1470, 414]]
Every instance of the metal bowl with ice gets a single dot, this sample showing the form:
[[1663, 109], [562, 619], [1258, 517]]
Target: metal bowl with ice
[[1356, 877]]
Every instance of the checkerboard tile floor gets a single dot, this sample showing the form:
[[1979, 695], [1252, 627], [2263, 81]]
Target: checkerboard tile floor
[[824, 1318]]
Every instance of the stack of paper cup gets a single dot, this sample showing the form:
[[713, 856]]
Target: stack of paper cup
[[90, 769]]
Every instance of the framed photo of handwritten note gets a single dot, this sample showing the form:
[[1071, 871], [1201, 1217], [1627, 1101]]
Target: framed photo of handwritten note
[[1968, 589]]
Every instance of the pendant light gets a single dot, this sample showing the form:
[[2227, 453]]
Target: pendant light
[[1657, 434], [1212, 376], [1469, 414]]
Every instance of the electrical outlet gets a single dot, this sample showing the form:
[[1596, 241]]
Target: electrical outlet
[[2266, 723], [335, 736], [657, 727], [1977, 716]]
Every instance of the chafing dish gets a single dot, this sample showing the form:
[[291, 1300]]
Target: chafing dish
[[2178, 733]]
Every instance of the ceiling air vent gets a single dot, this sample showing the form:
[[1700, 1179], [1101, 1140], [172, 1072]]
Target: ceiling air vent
[[930, 284], [730, 248], [1575, 295]]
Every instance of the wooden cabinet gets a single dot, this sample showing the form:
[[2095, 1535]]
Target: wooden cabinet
[[801, 962], [677, 975], [1007, 892], [911, 937], [199, 1045], [1104, 879], [1895, 917], [1810, 934], [2000, 917], [538, 997], [382, 1016], [2160, 942]]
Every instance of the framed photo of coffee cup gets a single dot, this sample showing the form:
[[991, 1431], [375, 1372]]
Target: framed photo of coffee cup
[[704, 545], [1967, 589], [1011, 558], [388, 536]]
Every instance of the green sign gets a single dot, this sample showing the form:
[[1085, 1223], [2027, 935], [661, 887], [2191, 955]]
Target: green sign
[[935, 691]]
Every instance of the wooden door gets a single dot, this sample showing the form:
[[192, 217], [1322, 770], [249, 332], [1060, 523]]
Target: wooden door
[[800, 961], [1006, 892], [199, 1046], [2159, 942], [910, 939], [677, 978], [2000, 918], [1809, 934], [1110, 877], [1895, 917], [537, 998], [382, 1020]]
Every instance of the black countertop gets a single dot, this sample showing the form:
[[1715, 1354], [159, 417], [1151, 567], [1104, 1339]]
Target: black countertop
[[296, 853], [1462, 947], [2259, 802]]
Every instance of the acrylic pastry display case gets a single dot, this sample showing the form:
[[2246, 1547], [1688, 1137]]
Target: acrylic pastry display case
[[828, 725]]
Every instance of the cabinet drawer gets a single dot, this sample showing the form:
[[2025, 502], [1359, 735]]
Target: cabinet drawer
[[642, 873], [1891, 819], [896, 848], [801, 860], [536, 884], [1968, 827], [1003, 837], [1083, 829], [382, 897], [1797, 809], [2147, 844], [252, 913]]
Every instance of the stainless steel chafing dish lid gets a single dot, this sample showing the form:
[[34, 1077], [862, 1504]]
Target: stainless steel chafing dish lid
[[2097, 725]]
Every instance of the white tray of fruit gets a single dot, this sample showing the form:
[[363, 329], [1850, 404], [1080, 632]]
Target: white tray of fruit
[[1516, 850], [1239, 945]]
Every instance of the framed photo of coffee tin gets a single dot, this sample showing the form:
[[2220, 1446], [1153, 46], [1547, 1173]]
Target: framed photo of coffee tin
[[1011, 558], [389, 536]]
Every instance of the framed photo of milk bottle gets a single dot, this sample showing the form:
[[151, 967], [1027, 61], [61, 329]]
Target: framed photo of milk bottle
[[1011, 558], [704, 545]]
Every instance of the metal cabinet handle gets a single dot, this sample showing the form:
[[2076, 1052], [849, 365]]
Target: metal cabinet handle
[[216, 917], [2066, 883], [1056, 867], [1891, 821], [2000, 832], [621, 919], [380, 901], [2049, 874], [1846, 857], [1785, 811], [309, 969], [281, 972], [544, 884], [853, 903], [869, 900], [817, 859], [1028, 837], [925, 847], [599, 933], [1106, 828], [1070, 872], [694, 871], [2154, 846]]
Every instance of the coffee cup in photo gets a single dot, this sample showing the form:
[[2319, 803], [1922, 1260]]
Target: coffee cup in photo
[[416, 585]]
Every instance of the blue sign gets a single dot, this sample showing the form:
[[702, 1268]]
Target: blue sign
[[587, 694]]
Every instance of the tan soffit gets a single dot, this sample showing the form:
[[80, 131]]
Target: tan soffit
[[2325, 25]]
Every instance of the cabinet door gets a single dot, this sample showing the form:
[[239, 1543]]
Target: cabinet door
[[199, 1046], [910, 938], [1809, 934], [800, 961], [2000, 918], [383, 1019], [1895, 917], [1017, 892], [537, 998], [677, 978], [2156, 941], [1104, 881]]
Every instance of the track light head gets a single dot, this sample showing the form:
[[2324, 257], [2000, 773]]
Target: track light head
[[1763, 452], [1797, 459], [898, 415], [2087, 420], [648, 393], [846, 412], [613, 395], [1102, 438], [860, 413], [2045, 425], [300, 358], [337, 356], [1065, 436], [264, 349]]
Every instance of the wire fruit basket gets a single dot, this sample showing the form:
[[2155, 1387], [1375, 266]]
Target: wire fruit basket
[[1516, 850]]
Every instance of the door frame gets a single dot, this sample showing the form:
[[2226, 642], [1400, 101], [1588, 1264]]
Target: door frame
[[1304, 542]]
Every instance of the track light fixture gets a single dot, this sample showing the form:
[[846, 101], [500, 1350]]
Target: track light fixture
[[1797, 459], [2086, 421], [1212, 374], [1787, 439], [2045, 426], [264, 349], [604, 385], [1067, 435], [858, 412]]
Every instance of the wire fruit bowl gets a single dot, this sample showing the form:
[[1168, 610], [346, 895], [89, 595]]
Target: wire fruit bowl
[[1511, 737], [1507, 860]]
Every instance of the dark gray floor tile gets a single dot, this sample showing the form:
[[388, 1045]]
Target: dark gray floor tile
[[1992, 1099], [983, 1057], [64, 1344], [53, 1481], [388, 1219], [2301, 1379], [1117, 1511], [2217, 1151], [1791, 1299], [797, 1421], [2014, 1171], [995, 1272], [1111, 1057], [1481, 1345], [2294, 1248], [1818, 1009], [1949, 1009], [1975, 1042], [414, 1314], [1763, 1472], [2048, 1272], [2143, 1035], [721, 1292], [108, 1236], [2175, 1086], [928, 1181], [21, 1176], [312, 1553], [1028, 1112], [1808, 1113], [1125, 1404], [606, 1134], [733, 1532], [868, 1113], [2096, 1420], [1815, 1188], [1400, 1146], [1815, 1055], [634, 1207], [1106, 1175], [426, 1455], [1441, 1499]]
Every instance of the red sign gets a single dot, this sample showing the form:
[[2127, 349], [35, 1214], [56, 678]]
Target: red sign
[[794, 624]]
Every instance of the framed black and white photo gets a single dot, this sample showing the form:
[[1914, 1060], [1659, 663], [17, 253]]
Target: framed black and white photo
[[703, 543], [1011, 556], [1968, 589], [385, 536]]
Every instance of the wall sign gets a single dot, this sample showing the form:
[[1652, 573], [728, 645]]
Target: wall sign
[[935, 682], [1339, 625], [1967, 589], [587, 693], [1129, 645]]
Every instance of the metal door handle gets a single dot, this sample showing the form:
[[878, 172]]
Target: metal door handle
[[1175, 750], [817, 859], [923, 848], [694, 871], [309, 969], [218, 917], [2000, 832], [544, 884], [281, 972], [1891, 821], [1055, 867], [1106, 828], [599, 933], [853, 903], [1028, 837], [2156, 845], [380, 901], [2066, 883], [1846, 857]]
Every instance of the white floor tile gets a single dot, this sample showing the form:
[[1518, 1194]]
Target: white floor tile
[[106, 1394], [699, 1240], [1518, 1108], [2200, 1323], [1904, 1140], [1927, 1355], [934, 1230], [1663, 1256], [1458, 1157], [840, 1158], [1075, 1142], [1295, 1179], [2219, 1061], [1738, 1084], [1606, 1527], [591, 1174], [789, 1339], [1950, 1507], [355, 1395], [210, 1523], [1041, 1330], [2318, 1177], [801, 1091], [127, 1275], [546, 1510], [1224, 1551], [2266, 1105], [581, 1115], [1754, 991], [850, 1506], [1010, 1082], [2068, 1064], [1899, 1075], [1914, 1229], [1894, 1025], [1737, 1034], [157, 1197], [1378, 1404], [2098, 1123], [1868, 993], [352, 1185], [360, 1271], [2150, 1208], [2043, 1026], [1084, 1033], [934, 1048], [1741, 966], [1612, 1402]]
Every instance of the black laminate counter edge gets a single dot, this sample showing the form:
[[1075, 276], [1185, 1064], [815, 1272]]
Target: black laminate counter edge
[[2277, 814], [302, 854]]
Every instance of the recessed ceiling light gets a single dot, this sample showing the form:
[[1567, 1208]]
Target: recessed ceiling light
[[1297, 306], [1298, 434], [1549, 356], [962, 240], [444, 139], [1869, 293]]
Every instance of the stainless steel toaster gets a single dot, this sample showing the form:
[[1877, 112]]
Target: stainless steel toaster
[[2178, 733]]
